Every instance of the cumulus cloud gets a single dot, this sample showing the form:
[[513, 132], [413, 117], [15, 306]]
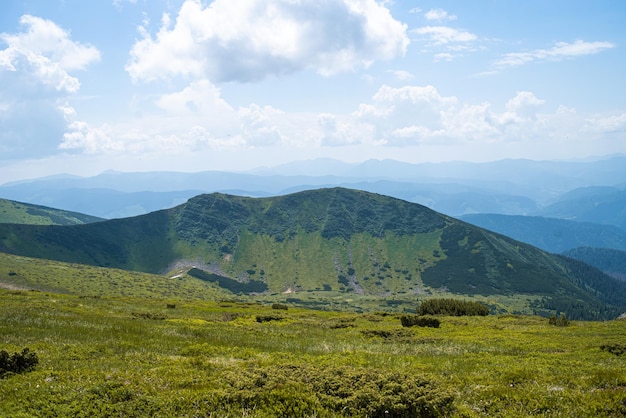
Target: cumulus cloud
[[248, 40], [560, 51], [35, 80], [46, 52], [413, 115]]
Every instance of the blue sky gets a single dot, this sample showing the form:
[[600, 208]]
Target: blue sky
[[191, 85]]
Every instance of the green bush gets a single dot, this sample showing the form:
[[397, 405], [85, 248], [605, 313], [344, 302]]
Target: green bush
[[452, 307], [420, 321], [280, 306], [614, 348], [17, 362], [296, 390], [559, 322], [268, 318]]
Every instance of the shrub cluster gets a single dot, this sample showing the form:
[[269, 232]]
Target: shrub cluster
[[452, 307], [420, 321], [280, 306], [268, 318], [291, 390], [614, 348], [559, 322], [17, 362]]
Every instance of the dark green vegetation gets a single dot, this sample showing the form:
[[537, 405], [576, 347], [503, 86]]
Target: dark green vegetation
[[452, 307], [131, 356], [329, 241], [25, 213], [610, 261], [19, 362]]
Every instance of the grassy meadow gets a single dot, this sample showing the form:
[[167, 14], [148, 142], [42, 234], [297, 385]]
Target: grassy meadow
[[179, 356]]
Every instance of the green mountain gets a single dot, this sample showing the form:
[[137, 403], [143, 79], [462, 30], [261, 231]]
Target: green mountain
[[327, 240], [26, 213]]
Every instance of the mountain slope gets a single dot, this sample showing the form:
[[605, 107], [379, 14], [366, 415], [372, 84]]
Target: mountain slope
[[25, 213], [610, 261], [549, 234], [328, 239]]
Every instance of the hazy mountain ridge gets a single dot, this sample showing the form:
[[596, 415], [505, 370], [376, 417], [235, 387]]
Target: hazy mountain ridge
[[516, 187], [551, 234], [334, 239], [601, 205]]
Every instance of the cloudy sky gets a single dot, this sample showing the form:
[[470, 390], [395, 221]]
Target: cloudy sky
[[192, 85]]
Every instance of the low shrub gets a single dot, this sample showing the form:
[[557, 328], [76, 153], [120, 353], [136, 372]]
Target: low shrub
[[559, 322], [452, 307], [296, 390], [614, 348], [268, 318], [280, 306], [17, 362], [420, 321]]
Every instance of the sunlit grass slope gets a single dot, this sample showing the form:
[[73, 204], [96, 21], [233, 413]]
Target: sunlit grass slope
[[120, 356], [25, 213]]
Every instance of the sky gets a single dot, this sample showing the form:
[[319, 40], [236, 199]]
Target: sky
[[195, 85]]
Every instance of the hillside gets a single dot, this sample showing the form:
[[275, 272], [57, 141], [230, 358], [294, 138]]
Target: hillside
[[327, 240], [25, 213], [610, 261], [549, 234]]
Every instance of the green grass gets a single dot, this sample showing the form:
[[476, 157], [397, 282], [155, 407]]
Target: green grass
[[104, 356], [31, 273], [25, 213]]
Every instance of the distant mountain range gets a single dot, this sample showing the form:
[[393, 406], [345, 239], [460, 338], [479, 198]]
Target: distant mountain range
[[332, 239], [511, 187], [553, 235]]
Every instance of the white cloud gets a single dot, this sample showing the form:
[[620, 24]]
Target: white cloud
[[524, 104], [259, 127], [200, 97], [401, 74], [46, 52], [444, 56], [606, 124], [35, 82], [439, 15], [560, 51], [414, 115], [247, 40], [442, 35]]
